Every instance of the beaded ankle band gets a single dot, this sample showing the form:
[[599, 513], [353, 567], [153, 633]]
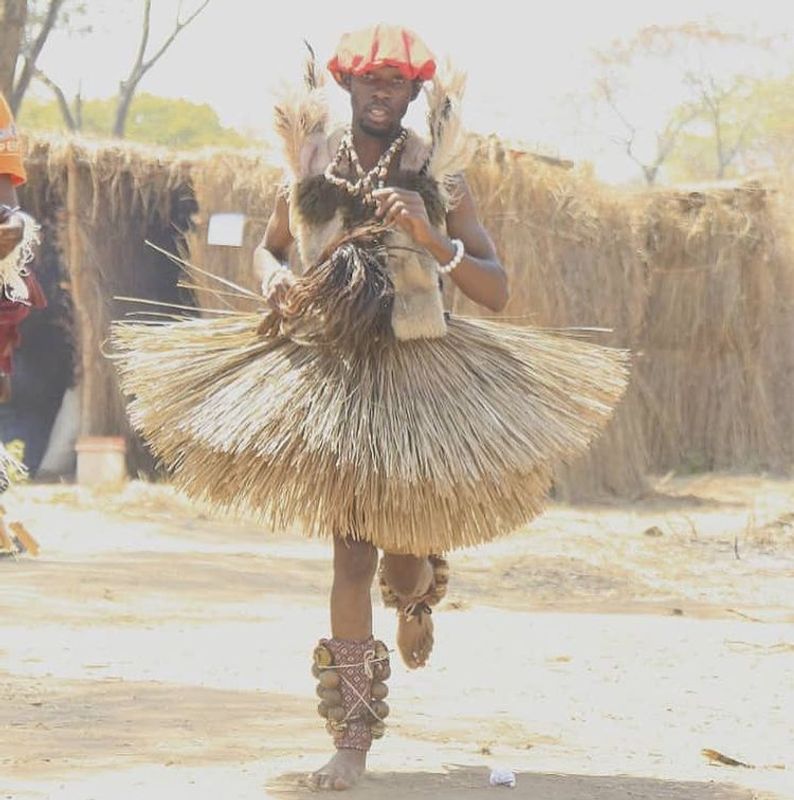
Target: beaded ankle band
[[351, 685]]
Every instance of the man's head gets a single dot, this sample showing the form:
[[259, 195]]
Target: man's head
[[383, 69]]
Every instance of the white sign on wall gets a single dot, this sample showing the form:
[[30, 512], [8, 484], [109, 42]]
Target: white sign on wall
[[226, 230]]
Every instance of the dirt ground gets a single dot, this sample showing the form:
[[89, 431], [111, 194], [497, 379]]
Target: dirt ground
[[151, 651]]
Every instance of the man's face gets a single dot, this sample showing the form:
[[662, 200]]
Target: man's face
[[380, 99]]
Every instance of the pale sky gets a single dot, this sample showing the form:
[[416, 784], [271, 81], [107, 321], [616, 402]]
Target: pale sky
[[529, 64]]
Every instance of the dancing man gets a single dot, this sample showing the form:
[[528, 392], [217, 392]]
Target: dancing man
[[349, 403]]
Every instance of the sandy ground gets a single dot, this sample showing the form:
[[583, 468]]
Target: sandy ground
[[153, 652]]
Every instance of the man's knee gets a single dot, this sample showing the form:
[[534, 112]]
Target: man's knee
[[354, 561]]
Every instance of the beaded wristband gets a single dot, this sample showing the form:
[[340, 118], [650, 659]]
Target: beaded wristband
[[456, 259]]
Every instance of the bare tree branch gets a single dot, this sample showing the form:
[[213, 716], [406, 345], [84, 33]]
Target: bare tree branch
[[33, 52], [649, 171], [143, 44], [13, 18], [142, 65], [178, 28], [63, 104]]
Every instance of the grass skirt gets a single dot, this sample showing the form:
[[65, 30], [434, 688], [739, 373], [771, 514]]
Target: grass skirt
[[415, 446]]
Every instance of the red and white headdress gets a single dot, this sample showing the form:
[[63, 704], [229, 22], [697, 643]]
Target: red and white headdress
[[382, 46]]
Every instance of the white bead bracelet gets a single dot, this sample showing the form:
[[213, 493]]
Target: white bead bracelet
[[456, 259]]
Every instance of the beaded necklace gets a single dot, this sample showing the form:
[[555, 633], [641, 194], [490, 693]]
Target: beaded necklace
[[366, 182]]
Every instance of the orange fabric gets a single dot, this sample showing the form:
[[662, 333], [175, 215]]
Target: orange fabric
[[383, 46], [10, 147]]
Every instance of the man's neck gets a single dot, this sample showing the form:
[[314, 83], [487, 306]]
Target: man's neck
[[370, 148]]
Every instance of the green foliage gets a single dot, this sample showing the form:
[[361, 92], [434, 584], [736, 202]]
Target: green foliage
[[37, 115], [715, 72], [166, 122], [759, 121]]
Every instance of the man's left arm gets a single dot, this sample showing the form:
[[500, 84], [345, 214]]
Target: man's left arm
[[480, 275]]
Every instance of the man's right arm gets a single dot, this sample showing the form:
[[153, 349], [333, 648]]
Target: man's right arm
[[272, 255]]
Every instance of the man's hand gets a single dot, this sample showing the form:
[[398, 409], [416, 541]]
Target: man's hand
[[406, 210], [275, 289], [11, 230]]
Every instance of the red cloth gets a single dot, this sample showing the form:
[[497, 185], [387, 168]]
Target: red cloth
[[382, 46], [11, 315]]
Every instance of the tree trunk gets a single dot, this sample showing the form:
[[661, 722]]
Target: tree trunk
[[126, 93], [650, 173], [13, 16]]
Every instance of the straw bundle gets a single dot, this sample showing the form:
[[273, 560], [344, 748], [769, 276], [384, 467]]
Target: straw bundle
[[717, 377], [418, 447]]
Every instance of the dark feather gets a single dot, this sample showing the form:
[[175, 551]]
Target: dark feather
[[310, 74]]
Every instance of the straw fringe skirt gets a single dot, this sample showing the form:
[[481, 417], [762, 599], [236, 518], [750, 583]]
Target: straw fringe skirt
[[417, 447]]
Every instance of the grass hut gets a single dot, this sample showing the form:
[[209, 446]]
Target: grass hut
[[99, 203]]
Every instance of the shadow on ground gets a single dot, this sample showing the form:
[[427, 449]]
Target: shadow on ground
[[472, 782]]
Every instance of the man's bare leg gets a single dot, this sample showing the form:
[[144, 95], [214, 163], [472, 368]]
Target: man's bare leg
[[408, 577], [355, 564]]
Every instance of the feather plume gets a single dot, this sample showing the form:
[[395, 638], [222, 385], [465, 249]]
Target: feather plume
[[451, 148], [312, 79], [301, 112]]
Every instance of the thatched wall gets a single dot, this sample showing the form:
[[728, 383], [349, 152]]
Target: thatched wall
[[700, 288], [717, 371], [568, 245], [229, 183]]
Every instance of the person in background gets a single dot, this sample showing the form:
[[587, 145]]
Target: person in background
[[20, 291]]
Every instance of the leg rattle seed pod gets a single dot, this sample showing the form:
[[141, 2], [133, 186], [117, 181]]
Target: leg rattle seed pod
[[380, 691], [378, 709]]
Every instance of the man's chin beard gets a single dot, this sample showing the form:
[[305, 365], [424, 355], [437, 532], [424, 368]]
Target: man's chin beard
[[377, 133]]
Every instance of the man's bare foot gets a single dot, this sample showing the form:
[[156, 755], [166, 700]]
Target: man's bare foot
[[341, 772], [415, 638]]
